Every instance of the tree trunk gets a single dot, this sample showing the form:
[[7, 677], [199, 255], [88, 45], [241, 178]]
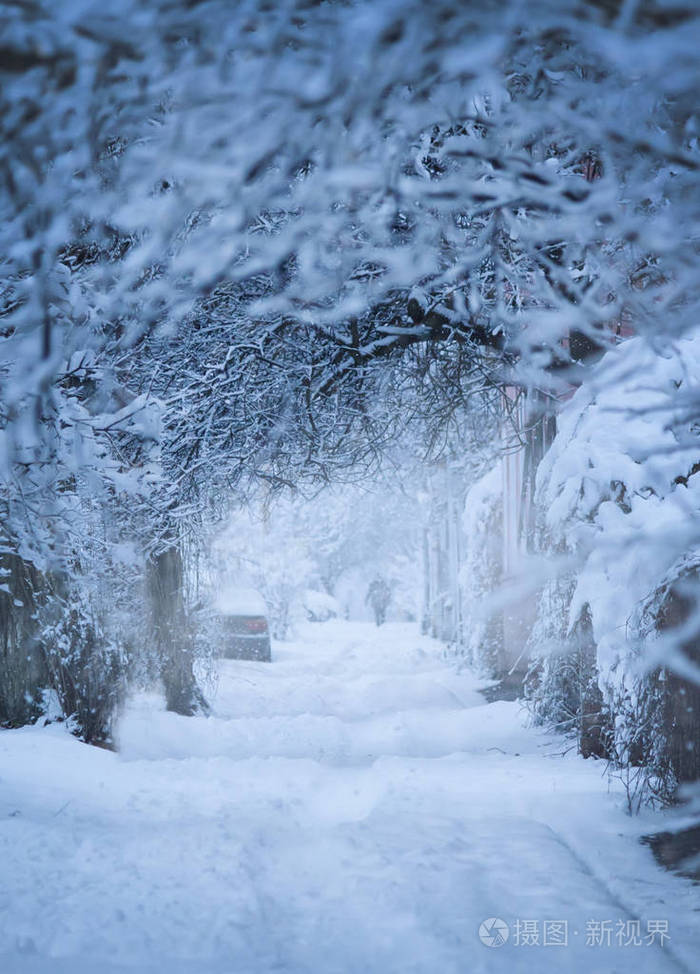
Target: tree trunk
[[172, 635], [23, 673]]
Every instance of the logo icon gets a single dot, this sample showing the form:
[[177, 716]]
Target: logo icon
[[493, 932]]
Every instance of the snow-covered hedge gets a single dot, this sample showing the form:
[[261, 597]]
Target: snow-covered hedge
[[619, 491]]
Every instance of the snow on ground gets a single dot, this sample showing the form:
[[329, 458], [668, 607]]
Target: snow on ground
[[355, 806]]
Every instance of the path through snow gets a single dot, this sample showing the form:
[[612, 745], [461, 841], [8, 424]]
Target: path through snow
[[355, 806]]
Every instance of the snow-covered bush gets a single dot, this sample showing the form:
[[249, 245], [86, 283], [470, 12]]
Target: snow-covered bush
[[86, 662], [482, 572], [619, 492], [320, 606], [561, 685]]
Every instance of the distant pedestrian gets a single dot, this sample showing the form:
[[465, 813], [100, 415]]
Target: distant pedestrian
[[378, 596]]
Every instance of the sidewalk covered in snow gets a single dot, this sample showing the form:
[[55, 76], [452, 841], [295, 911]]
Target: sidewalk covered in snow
[[356, 806]]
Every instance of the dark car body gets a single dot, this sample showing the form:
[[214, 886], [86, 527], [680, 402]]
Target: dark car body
[[246, 637], [245, 633]]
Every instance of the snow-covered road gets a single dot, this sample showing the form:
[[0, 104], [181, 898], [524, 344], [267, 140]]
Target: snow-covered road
[[354, 807]]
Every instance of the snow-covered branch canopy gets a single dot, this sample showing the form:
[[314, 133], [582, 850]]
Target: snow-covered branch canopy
[[289, 194]]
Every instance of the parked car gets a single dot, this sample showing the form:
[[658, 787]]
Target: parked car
[[244, 627]]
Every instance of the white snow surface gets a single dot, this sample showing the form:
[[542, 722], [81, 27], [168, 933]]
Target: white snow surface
[[233, 600], [354, 806]]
